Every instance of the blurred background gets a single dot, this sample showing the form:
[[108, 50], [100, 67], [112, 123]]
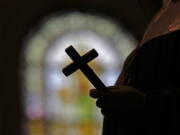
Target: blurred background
[[37, 99], [53, 103]]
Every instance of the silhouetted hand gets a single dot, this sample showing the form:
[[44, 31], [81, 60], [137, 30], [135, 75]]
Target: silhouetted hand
[[119, 102]]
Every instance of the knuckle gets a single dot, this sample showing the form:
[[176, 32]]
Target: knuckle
[[99, 103]]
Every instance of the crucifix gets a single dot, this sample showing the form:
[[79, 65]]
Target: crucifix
[[81, 63]]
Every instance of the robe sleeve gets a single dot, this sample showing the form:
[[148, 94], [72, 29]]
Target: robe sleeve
[[156, 73], [161, 111]]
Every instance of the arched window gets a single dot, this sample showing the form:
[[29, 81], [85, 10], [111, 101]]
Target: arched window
[[54, 104]]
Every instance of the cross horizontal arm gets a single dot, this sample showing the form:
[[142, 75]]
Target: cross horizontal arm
[[86, 58]]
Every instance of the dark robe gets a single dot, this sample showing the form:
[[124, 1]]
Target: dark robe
[[154, 69]]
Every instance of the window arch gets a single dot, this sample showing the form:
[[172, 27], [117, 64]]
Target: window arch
[[55, 104]]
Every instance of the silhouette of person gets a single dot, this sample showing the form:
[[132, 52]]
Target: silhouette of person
[[145, 98]]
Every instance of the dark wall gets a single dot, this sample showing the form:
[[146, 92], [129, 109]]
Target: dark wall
[[18, 16]]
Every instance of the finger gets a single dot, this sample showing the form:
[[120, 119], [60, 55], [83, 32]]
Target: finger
[[123, 88], [113, 87], [103, 112], [107, 113], [94, 93], [101, 102]]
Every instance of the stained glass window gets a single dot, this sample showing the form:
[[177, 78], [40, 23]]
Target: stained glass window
[[54, 104]]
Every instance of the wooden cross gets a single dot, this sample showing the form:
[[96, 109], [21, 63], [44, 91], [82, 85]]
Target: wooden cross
[[81, 63]]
